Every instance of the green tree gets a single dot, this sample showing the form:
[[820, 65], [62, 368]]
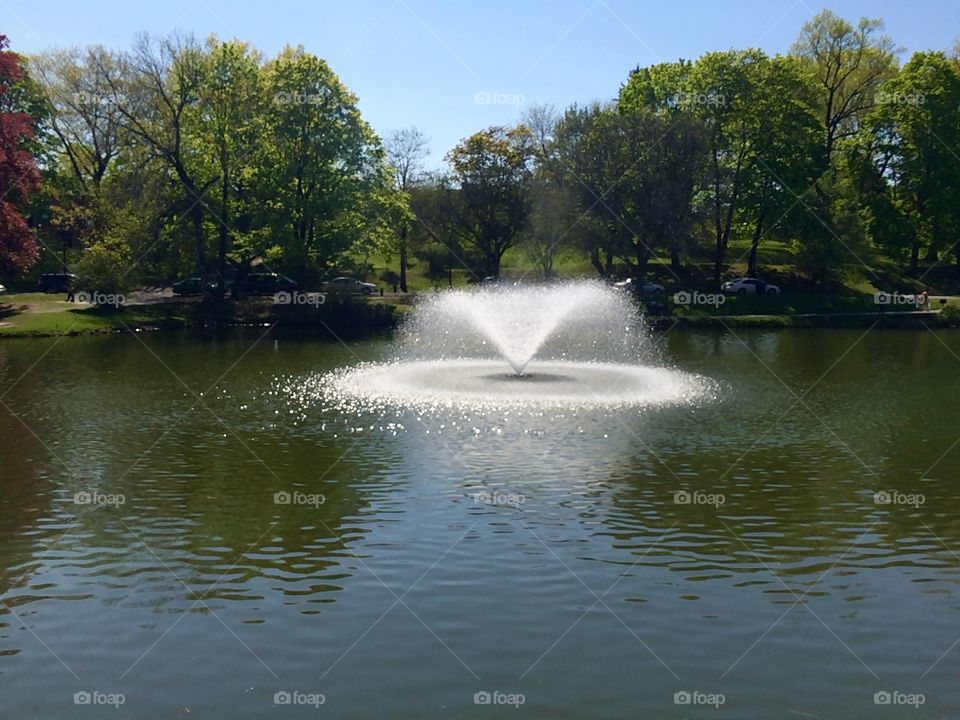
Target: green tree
[[406, 150], [917, 127], [849, 64], [324, 163], [787, 156], [725, 91], [227, 129], [589, 177], [156, 87], [493, 170]]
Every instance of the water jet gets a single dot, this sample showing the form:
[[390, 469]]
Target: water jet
[[577, 343]]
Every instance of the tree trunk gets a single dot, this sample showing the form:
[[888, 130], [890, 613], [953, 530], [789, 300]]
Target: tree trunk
[[200, 240], [914, 258], [224, 236], [403, 260], [718, 263], [642, 256], [595, 261], [752, 262]]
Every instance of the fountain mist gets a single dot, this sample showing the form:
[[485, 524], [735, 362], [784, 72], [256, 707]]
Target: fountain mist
[[568, 344], [581, 320]]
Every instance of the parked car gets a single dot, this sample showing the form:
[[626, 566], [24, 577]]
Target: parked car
[[648, 288], [193, 286], [56, 282], [268, 284], [350, 286], [2, 289], [749, 286]]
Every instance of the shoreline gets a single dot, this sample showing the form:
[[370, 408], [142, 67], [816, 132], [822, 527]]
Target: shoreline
[[351, 316]]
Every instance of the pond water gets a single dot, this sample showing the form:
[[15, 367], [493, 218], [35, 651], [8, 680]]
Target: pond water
[[192, 526]]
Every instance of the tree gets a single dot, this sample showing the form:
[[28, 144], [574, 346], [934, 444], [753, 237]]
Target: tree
[[493, 171], [849, 63], [918, 132], [553, 217], [434, 235], [787, 150], [653, 164], [406, 150], [230, 118], [725, 91], [156, 89], [829, 231], [554, 223], [587, 175], [324, 168], [19, 175], [84, 117]]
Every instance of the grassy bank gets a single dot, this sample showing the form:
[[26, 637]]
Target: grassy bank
[[37, 315], [40, 315]]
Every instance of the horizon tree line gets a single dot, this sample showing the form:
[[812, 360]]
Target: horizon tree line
[[184, 157]]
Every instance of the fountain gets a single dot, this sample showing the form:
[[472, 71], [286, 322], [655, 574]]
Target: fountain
[[577, 343]]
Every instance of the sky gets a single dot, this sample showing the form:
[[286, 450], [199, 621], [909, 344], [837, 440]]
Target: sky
[[452, 67]]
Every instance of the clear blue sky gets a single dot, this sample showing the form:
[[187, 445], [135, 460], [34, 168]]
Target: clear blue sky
[[423, 62]]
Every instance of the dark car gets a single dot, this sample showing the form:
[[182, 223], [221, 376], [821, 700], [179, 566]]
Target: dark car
[[268, 284], [56, 282], [193, 286]]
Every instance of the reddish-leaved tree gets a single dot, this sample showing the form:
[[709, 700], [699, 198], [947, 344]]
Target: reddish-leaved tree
[[19, 176]]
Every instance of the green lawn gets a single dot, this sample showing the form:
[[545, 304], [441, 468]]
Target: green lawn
[[38, 314]]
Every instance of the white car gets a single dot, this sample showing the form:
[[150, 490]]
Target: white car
[[749, 286], [648, 288], [2, 289], [349, 285]]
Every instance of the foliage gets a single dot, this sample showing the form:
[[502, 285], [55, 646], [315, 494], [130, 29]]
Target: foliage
[[492, 170], [185, 157], [19, 175]]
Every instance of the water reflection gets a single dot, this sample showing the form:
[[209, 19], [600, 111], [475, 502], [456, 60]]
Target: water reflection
[[558, 534]]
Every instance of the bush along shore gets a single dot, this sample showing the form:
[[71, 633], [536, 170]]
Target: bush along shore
[[36, 315]]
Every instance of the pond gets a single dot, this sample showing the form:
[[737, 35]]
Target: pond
[[191, 528]]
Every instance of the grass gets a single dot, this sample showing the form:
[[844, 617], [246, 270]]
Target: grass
[[38, 315]]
